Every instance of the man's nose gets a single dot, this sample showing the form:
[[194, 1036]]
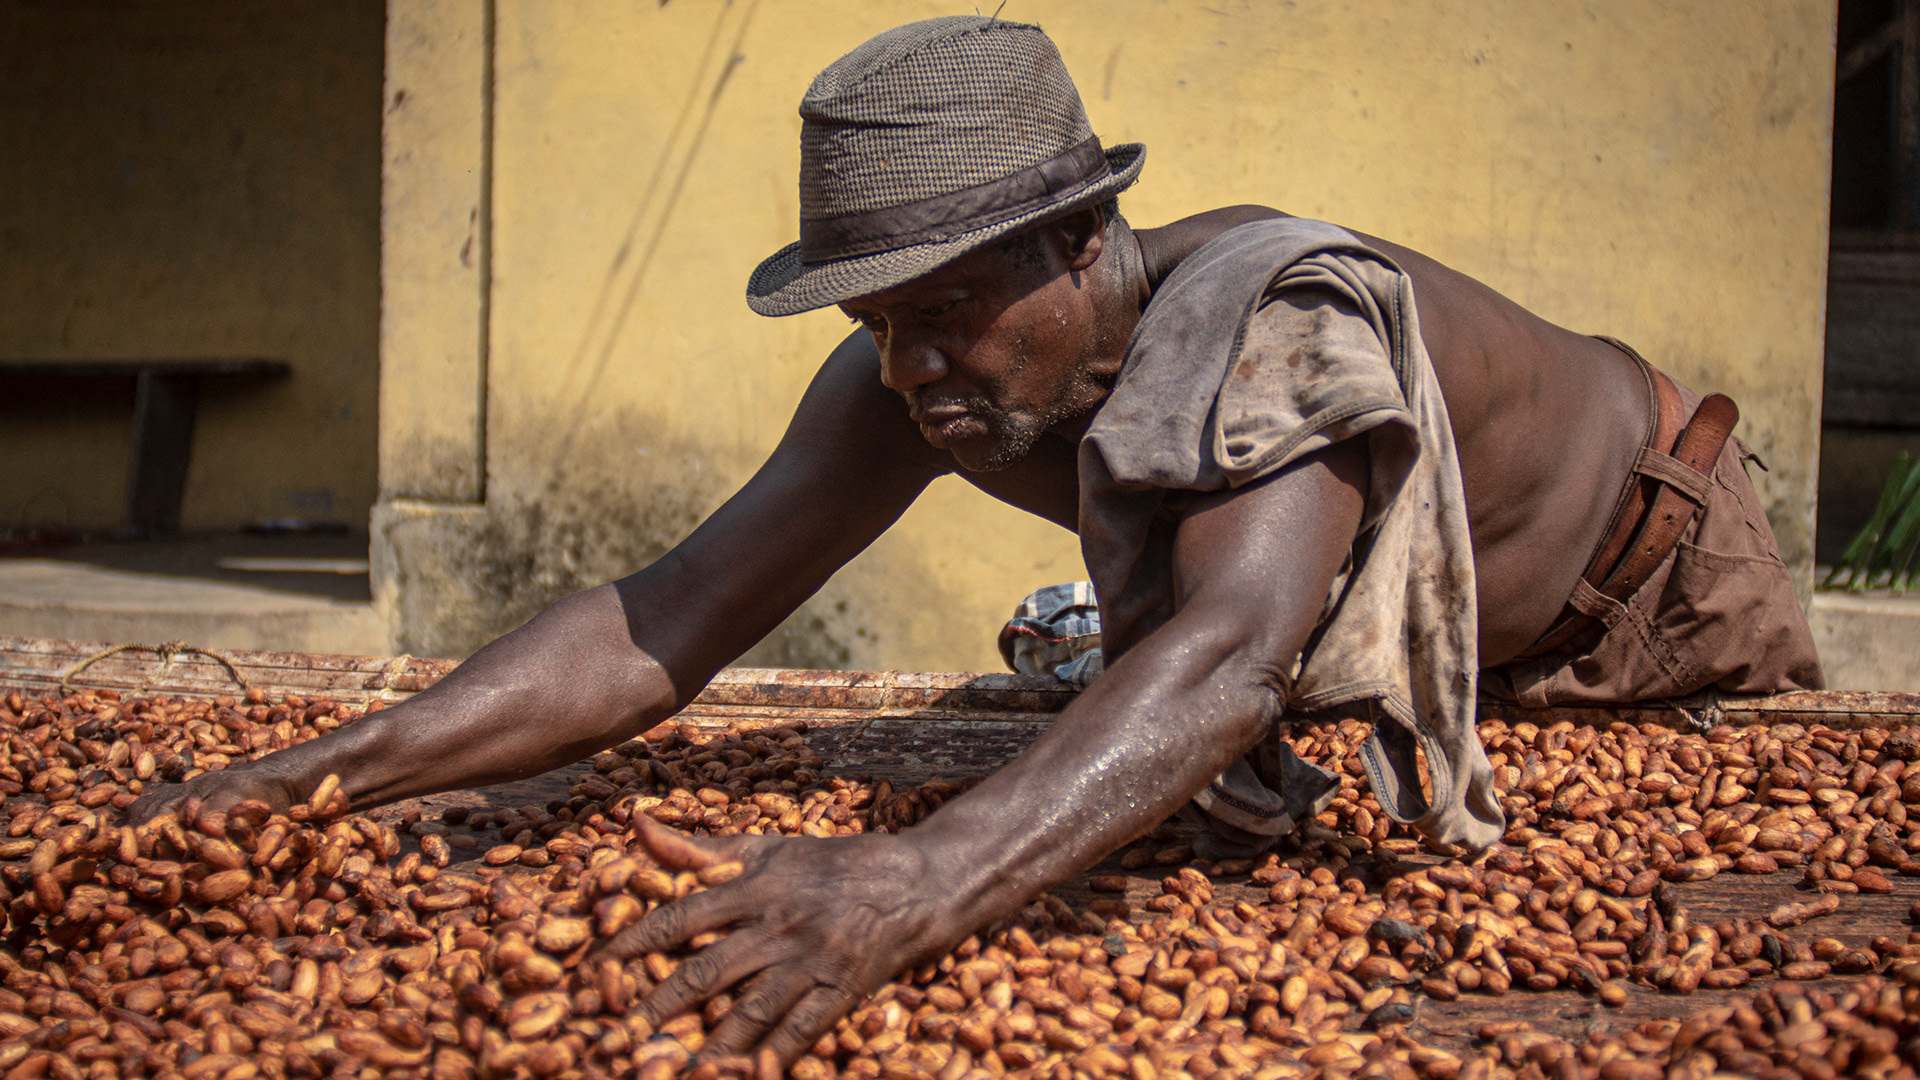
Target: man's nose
[[909, 365]]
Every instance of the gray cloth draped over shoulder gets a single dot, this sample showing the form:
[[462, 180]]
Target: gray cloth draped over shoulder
[[1222, 387]]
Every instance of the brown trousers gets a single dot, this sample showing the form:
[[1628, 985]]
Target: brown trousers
[[1719, 612]]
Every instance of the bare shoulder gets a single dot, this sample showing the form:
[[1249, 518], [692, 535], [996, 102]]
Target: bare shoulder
[[1459, 308], [1164, 247]]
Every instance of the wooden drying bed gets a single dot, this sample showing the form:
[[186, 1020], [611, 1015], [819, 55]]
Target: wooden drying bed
[[911, 726], [981, 718]]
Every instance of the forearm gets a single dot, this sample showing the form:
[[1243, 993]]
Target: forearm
[[1138, 744], [567, 684], [1252, 571]]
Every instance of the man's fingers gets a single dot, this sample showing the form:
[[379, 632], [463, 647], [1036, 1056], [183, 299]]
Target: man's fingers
[[701, 976], [154, 803], [764, 1003], [676, 849], [209, 794], [808, 1020], [218, 801], [672, 925]]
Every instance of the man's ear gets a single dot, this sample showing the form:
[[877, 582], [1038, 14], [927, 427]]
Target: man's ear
[[1085, 233]]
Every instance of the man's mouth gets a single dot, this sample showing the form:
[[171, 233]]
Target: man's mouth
[[948, 422], [943, 429]]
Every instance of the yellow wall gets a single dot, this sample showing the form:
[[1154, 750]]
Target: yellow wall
[[191, 179], [1649, 170]]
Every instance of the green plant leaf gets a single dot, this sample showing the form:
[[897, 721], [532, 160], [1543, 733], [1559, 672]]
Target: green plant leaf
[[1888, 539]]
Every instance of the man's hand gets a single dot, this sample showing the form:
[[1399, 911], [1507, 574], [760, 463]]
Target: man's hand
[[217, 790], [816, 926]]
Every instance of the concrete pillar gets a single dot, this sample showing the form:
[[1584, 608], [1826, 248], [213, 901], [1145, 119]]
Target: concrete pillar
[[435, 253]]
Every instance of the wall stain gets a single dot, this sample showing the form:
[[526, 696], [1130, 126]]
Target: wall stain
[[464, 579]]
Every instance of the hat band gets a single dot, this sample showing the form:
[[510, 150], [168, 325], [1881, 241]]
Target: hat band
[[942, 217]]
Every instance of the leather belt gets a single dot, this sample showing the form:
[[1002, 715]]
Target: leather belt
[[1655, 511]]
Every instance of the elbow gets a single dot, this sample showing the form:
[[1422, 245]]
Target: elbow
[[1259, 691], [581, 656], [1237, 685], [1243, 656], [1228, 711], [1251, 660]]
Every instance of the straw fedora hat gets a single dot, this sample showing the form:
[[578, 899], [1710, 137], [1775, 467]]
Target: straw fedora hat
[[925, 143]]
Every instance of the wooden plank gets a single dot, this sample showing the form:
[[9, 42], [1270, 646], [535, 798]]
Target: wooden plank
[[1906, 139], [1862, 55], [1873, 333], [36, 666], [40, 665]]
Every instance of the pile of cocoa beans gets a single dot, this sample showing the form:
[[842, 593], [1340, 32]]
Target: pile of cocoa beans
[[210, 946]]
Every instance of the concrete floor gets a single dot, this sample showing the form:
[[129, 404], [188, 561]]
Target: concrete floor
[[173, 590], [197, 557]]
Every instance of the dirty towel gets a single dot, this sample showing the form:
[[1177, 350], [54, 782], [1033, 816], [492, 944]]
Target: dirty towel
[[1223, 385]]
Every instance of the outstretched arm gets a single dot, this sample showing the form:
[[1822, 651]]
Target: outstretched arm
[[604, 665], [818, 924]]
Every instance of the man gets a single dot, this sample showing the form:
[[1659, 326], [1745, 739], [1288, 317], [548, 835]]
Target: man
[[1292, 490]]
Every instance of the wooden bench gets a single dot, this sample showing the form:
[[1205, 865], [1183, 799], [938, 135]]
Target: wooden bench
[[166, 392]]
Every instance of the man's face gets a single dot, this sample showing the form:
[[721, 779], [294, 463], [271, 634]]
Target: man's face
[[989, 351]]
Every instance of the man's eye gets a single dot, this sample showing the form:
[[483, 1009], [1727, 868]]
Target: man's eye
[[873, 324], [934, 311]]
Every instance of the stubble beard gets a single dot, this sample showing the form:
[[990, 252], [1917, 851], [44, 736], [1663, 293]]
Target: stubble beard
[[1011, 435]]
